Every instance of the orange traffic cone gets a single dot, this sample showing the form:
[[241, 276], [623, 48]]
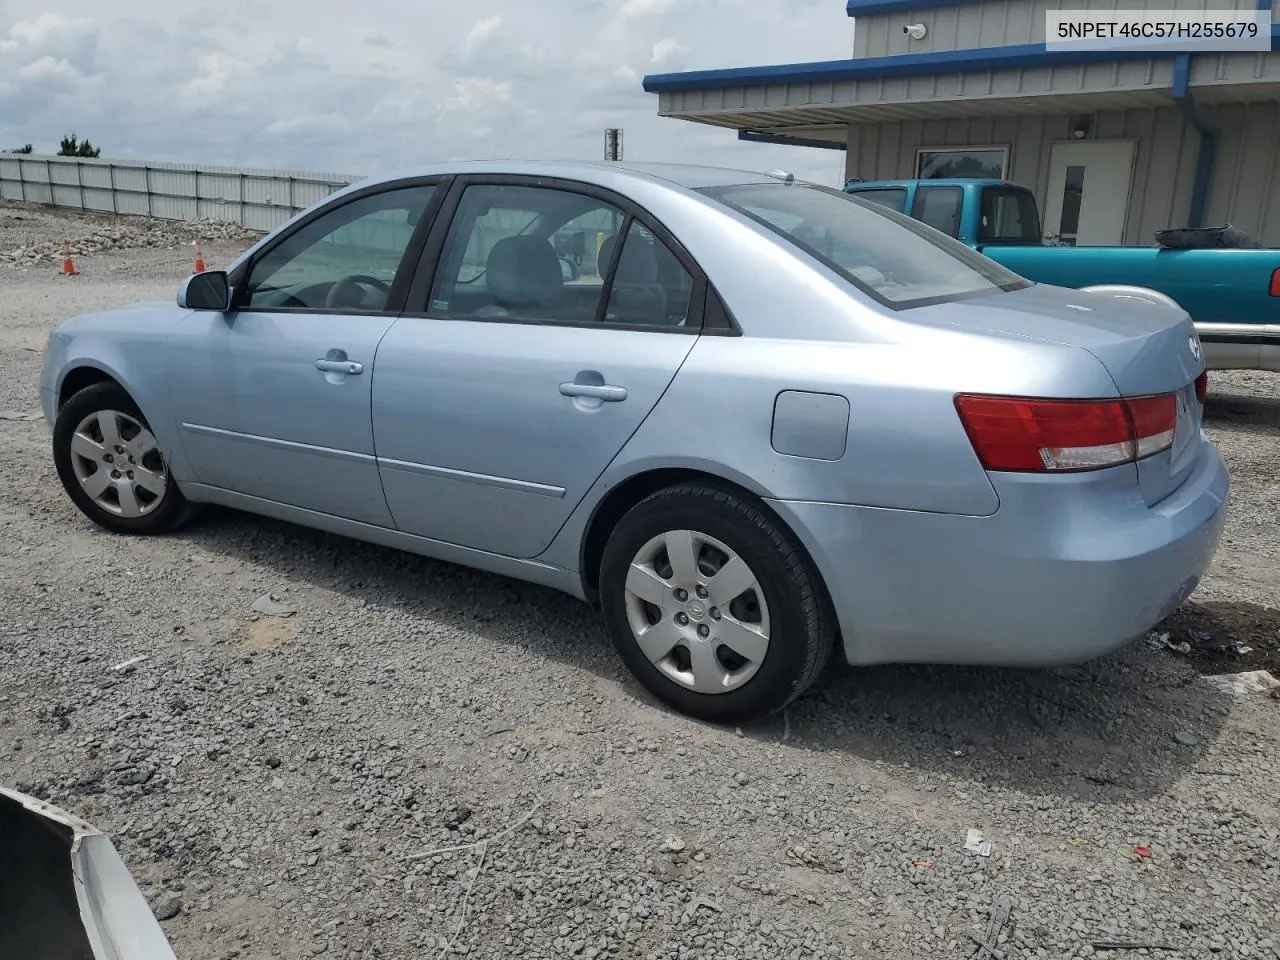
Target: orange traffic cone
[[199, 258], [68, 268]]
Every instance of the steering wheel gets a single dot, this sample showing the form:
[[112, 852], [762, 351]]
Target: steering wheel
[[349, 286]]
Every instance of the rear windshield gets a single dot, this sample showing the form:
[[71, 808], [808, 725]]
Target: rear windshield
[[1008, 216], [887, 255]]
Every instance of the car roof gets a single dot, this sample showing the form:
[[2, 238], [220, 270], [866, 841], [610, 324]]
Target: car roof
[[690, 176], [935, 182]]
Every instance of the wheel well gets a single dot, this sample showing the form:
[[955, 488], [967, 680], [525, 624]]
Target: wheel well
[[78, 379], [630, 492]]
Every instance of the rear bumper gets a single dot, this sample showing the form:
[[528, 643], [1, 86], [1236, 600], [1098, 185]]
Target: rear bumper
[[1053, 577], [1240, 346]]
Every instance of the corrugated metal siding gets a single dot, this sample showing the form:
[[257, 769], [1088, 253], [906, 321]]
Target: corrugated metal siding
[[1244, 190], [1141, 77], [1164, 166], [254, 197], [995, 24], [1234, 68]]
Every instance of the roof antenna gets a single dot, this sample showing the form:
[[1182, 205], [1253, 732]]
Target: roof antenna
[[786, 176]]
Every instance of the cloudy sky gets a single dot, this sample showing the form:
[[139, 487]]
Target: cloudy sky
[[349, 86]]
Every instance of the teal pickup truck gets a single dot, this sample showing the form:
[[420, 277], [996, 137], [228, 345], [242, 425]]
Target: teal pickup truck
[[1232, 294]]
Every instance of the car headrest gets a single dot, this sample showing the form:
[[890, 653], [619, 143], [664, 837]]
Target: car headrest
[[523, 272], [639, 263]]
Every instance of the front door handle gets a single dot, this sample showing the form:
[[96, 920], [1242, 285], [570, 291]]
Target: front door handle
[[595, 391], [340, 366]]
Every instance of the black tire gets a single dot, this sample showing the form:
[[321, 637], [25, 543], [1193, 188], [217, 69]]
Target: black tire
[[168, 514], [802, 624]]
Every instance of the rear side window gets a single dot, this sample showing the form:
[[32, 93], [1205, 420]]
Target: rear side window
[[1008, 216], [895, 198], [650, 287], [887, 255], [939, 207], [553, 255]]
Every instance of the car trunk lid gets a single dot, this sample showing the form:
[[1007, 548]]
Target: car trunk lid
[[1146, 349]]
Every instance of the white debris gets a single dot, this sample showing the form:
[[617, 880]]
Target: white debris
[[974, 843], [126, 666], [270, 605]]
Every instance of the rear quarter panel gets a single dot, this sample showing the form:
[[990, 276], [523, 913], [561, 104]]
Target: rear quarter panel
[[903, 446], [1213, 286]]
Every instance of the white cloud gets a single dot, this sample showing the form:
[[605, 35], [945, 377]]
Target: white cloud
[[665, 48], [361, 88], [645, 8], [482, 31], [476, 94]]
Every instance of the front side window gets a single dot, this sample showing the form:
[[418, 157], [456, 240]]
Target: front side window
[[346, 259], [1008, 216], [540, 253], [939, 207], [885, 254]]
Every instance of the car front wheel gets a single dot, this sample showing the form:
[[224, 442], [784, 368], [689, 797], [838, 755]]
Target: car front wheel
[[712, 605], [111, 464]]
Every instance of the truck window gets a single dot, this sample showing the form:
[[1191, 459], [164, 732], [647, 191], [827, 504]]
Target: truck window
[[1008, 216], [888, 256], [895, 198], [939, 207]]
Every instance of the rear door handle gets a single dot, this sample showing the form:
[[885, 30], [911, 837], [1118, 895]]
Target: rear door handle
[[604, 391], [340, 366]]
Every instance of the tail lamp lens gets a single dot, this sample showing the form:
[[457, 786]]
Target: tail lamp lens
[[1053, 436]]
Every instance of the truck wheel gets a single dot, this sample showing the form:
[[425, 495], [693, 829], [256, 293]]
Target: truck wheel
[[712, 605]]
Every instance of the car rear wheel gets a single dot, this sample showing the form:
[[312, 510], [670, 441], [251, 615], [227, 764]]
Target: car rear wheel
[[111, 465], [712, 605]]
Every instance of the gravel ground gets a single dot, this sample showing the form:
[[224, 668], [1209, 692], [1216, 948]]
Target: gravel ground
[[277, 784]]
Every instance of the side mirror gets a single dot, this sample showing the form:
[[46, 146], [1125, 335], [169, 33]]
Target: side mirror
[[205, 291]]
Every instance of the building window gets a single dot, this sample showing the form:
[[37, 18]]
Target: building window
[[948, 163]]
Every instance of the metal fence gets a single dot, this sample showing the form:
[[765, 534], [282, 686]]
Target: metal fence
[[255, 198]]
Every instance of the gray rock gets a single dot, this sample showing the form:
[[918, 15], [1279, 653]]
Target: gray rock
[[168, 908]]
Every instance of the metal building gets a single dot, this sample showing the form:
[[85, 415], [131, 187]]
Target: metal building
[[1116, 144]]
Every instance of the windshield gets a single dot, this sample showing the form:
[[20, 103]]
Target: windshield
[[1008, 216], [888, 256]]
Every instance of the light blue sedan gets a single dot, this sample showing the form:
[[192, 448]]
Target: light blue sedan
[[753, 419]]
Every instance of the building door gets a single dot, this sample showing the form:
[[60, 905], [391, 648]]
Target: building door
[[1088, 192]]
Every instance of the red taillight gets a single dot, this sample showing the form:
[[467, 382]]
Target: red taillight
[[1202, 387], [1275, 282], [1054, 436]]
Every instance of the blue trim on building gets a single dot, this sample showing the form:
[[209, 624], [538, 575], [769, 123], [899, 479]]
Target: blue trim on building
[[871, 8], [1015, 57], [1181, 95], [1181, 75], [783, 140]]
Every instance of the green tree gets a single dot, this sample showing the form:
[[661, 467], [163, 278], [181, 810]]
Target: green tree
[[25, 148], [72, 146]]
